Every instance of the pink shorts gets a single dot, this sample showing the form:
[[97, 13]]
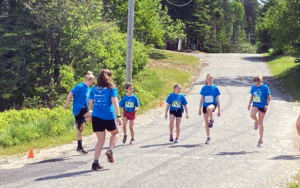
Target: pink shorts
[[129, 115]]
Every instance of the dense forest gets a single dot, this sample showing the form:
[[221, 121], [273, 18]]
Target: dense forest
[[46, 46]]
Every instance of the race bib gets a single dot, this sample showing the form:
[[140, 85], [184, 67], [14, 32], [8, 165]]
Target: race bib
[[209, 99], [256, 99], [176, 104], [129, 105]]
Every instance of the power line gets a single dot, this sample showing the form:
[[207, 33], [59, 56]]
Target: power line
[[179, 5]]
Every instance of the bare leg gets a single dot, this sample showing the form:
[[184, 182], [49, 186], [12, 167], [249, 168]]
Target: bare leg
[[206, 116], [124, 125], [171, 125], [131, 123], [298, 125], [79, 133], [254, 111], [113, 138], [209, 110], [99, 144], [178, 120], [261, 124]]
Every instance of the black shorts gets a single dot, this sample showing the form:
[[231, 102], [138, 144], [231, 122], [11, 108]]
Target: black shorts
[[100, 125], [176, 113], [205, 108], [261, 109], [79, 118]]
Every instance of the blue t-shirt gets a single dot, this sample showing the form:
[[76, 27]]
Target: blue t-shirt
[[260, 95], [103, 107], [129, 103], [209, 94], [81, 94], [176, 102]]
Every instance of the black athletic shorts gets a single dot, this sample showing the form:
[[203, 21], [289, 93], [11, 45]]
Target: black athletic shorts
[[261, 109], [205, 108], [79, 118], [176, 113], [100, 125]]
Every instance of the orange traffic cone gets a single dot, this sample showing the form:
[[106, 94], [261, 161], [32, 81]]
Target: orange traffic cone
[[30, 154], [161, 104]]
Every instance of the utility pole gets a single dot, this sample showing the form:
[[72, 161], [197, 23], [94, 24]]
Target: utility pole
[[129, 52]]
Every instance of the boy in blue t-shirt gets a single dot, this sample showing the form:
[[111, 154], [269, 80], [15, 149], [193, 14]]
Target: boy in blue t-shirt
[[260, 97], [80, 94], [176, 102], [210, 101], [130, 105]]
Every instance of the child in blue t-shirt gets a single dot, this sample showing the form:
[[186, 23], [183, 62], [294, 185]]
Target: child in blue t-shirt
[[176, 102], [80, 94], [260, 97], [130, 105], [210, 101]]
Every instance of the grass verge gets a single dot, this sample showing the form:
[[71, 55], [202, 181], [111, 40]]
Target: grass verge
[[286, 72], [152, 85]]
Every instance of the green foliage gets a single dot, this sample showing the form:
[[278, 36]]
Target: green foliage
[[29, 124], [147, 25], [280, 26]]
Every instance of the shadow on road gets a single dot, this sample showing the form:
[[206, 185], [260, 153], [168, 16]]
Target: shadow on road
[[67, 175], [277, 92], [186, 146], [147, 146], [255, 58], [50, 161], [286, 157], [236, 153]]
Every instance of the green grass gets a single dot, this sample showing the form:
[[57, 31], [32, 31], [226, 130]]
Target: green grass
[[287, 72], [152, 85]]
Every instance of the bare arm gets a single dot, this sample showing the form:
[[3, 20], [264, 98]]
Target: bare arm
[[167, 109], [186, 109], [268, 99], [219, 105], [91, 103], [250, 101], [115, 103], [69, 97], [200, 105]]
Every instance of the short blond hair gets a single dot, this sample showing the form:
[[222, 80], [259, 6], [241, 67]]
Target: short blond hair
[[258, 78], [176, 85], [89, 75]]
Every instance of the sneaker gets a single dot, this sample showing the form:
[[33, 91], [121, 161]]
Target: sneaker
[[124, 139], [81, 150], [132, 141], [211, 123], [171, 138], [260, 142], [96, 166], [208, 140], [255, 127], [109, 155], [77, 125], [176, 140]]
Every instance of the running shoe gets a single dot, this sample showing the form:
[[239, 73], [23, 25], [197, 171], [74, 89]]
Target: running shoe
[[132, 141], [211, 123], [96, 166], [81, 150], [171, 138], [208, 140], [176, 140], [255, 127], [77, 125], [260, 142], [124, 139], [109, 155]]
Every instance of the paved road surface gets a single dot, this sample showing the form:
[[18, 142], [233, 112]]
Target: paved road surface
[[231, 160]]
